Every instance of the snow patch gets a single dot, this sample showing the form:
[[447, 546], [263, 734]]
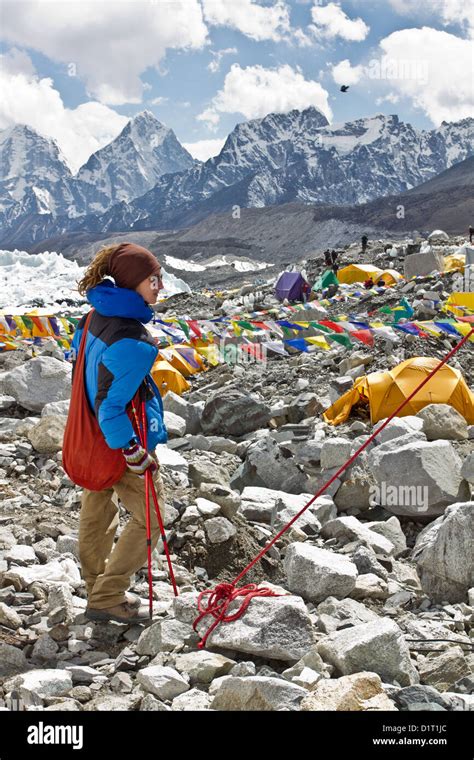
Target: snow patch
[[26, 278]]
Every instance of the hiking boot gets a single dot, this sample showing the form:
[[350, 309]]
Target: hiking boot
[[121, 613], [132, 599]]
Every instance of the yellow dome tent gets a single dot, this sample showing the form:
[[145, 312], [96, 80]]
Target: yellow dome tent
[[385, 391], [168, 378], [455, 262], [184, 358], [389, 276], [358, 273]]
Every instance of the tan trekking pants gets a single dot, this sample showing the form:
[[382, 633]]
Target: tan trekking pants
[[107, 569]]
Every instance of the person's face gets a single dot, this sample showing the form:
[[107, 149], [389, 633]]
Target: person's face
[[150, 287]]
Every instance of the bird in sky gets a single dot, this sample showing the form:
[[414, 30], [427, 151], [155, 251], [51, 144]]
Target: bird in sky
[[344, 88]]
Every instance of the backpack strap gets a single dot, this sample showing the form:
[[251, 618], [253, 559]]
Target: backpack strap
[[79, 361]]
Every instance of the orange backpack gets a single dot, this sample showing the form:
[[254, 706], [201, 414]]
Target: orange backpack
[[87, 459]]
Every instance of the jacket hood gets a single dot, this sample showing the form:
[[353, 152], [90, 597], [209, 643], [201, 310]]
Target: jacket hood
[[112, 301]]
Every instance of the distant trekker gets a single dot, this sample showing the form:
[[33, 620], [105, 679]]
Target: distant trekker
[[365, 240], [471, 233], [330, 259]]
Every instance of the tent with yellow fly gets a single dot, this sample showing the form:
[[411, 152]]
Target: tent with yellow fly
[[358, 273], [389, 276], [455, 262], [168, 378], [383, 392], [184, 358]]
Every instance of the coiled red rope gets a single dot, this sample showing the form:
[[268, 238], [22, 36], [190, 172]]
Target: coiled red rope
[[224, 593]]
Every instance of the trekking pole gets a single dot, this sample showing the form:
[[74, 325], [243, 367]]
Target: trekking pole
[[149, 483], [148, 525], [148, 546]]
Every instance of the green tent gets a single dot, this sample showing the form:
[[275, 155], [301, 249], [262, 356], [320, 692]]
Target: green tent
[[325, 280]]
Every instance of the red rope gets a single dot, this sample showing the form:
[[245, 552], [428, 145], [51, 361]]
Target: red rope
[[225, 593], [219, 601]]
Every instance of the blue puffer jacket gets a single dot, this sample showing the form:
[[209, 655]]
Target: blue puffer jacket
[[119, 355]]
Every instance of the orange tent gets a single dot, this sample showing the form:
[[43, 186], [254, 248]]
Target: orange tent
[[385, 391]]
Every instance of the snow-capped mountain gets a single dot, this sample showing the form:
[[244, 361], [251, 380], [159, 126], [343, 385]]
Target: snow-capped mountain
[[33, 172], [281, 158], [298, 157], [132, 163], [37, 186]]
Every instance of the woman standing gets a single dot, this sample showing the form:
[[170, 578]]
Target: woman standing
[[119, 354]]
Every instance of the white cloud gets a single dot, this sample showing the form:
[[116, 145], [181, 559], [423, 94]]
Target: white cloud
[[331, 21], [109, 43], [449, 12], [17, 62], [215, 64], [458, 12], [27, 99], [389, 98], [204, 149], [345, 73], [158, 101], [447, 94], [269, 22], [210, 117], [432, 68], [255, 91]]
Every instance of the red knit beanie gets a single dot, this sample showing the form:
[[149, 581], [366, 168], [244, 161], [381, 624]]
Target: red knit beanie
[[130, 264]]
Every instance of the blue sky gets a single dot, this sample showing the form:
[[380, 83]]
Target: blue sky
[[76, 71]]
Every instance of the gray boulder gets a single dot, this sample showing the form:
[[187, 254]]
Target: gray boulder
[[349, 528], [203, 666], [228, 500], [316, 573], [38, 382], [342, 613], [399, 426], [203, 471], [47, 436], [219, 530], [467, 469], [423, 263], [378, 646], [442, 421], [190, 413], [36, 685], [255, 693], [418, 479], [12, 660], [392, 530], [444, 552], [443, 670], [162, 681], [175, 425], [232, 412], [335, 452], [266, 466], [272, 627], [60, 408]]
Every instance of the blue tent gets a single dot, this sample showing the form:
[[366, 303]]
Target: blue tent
[[291, 285]]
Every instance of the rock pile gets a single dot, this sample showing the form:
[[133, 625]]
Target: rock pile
[[374, 582]]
